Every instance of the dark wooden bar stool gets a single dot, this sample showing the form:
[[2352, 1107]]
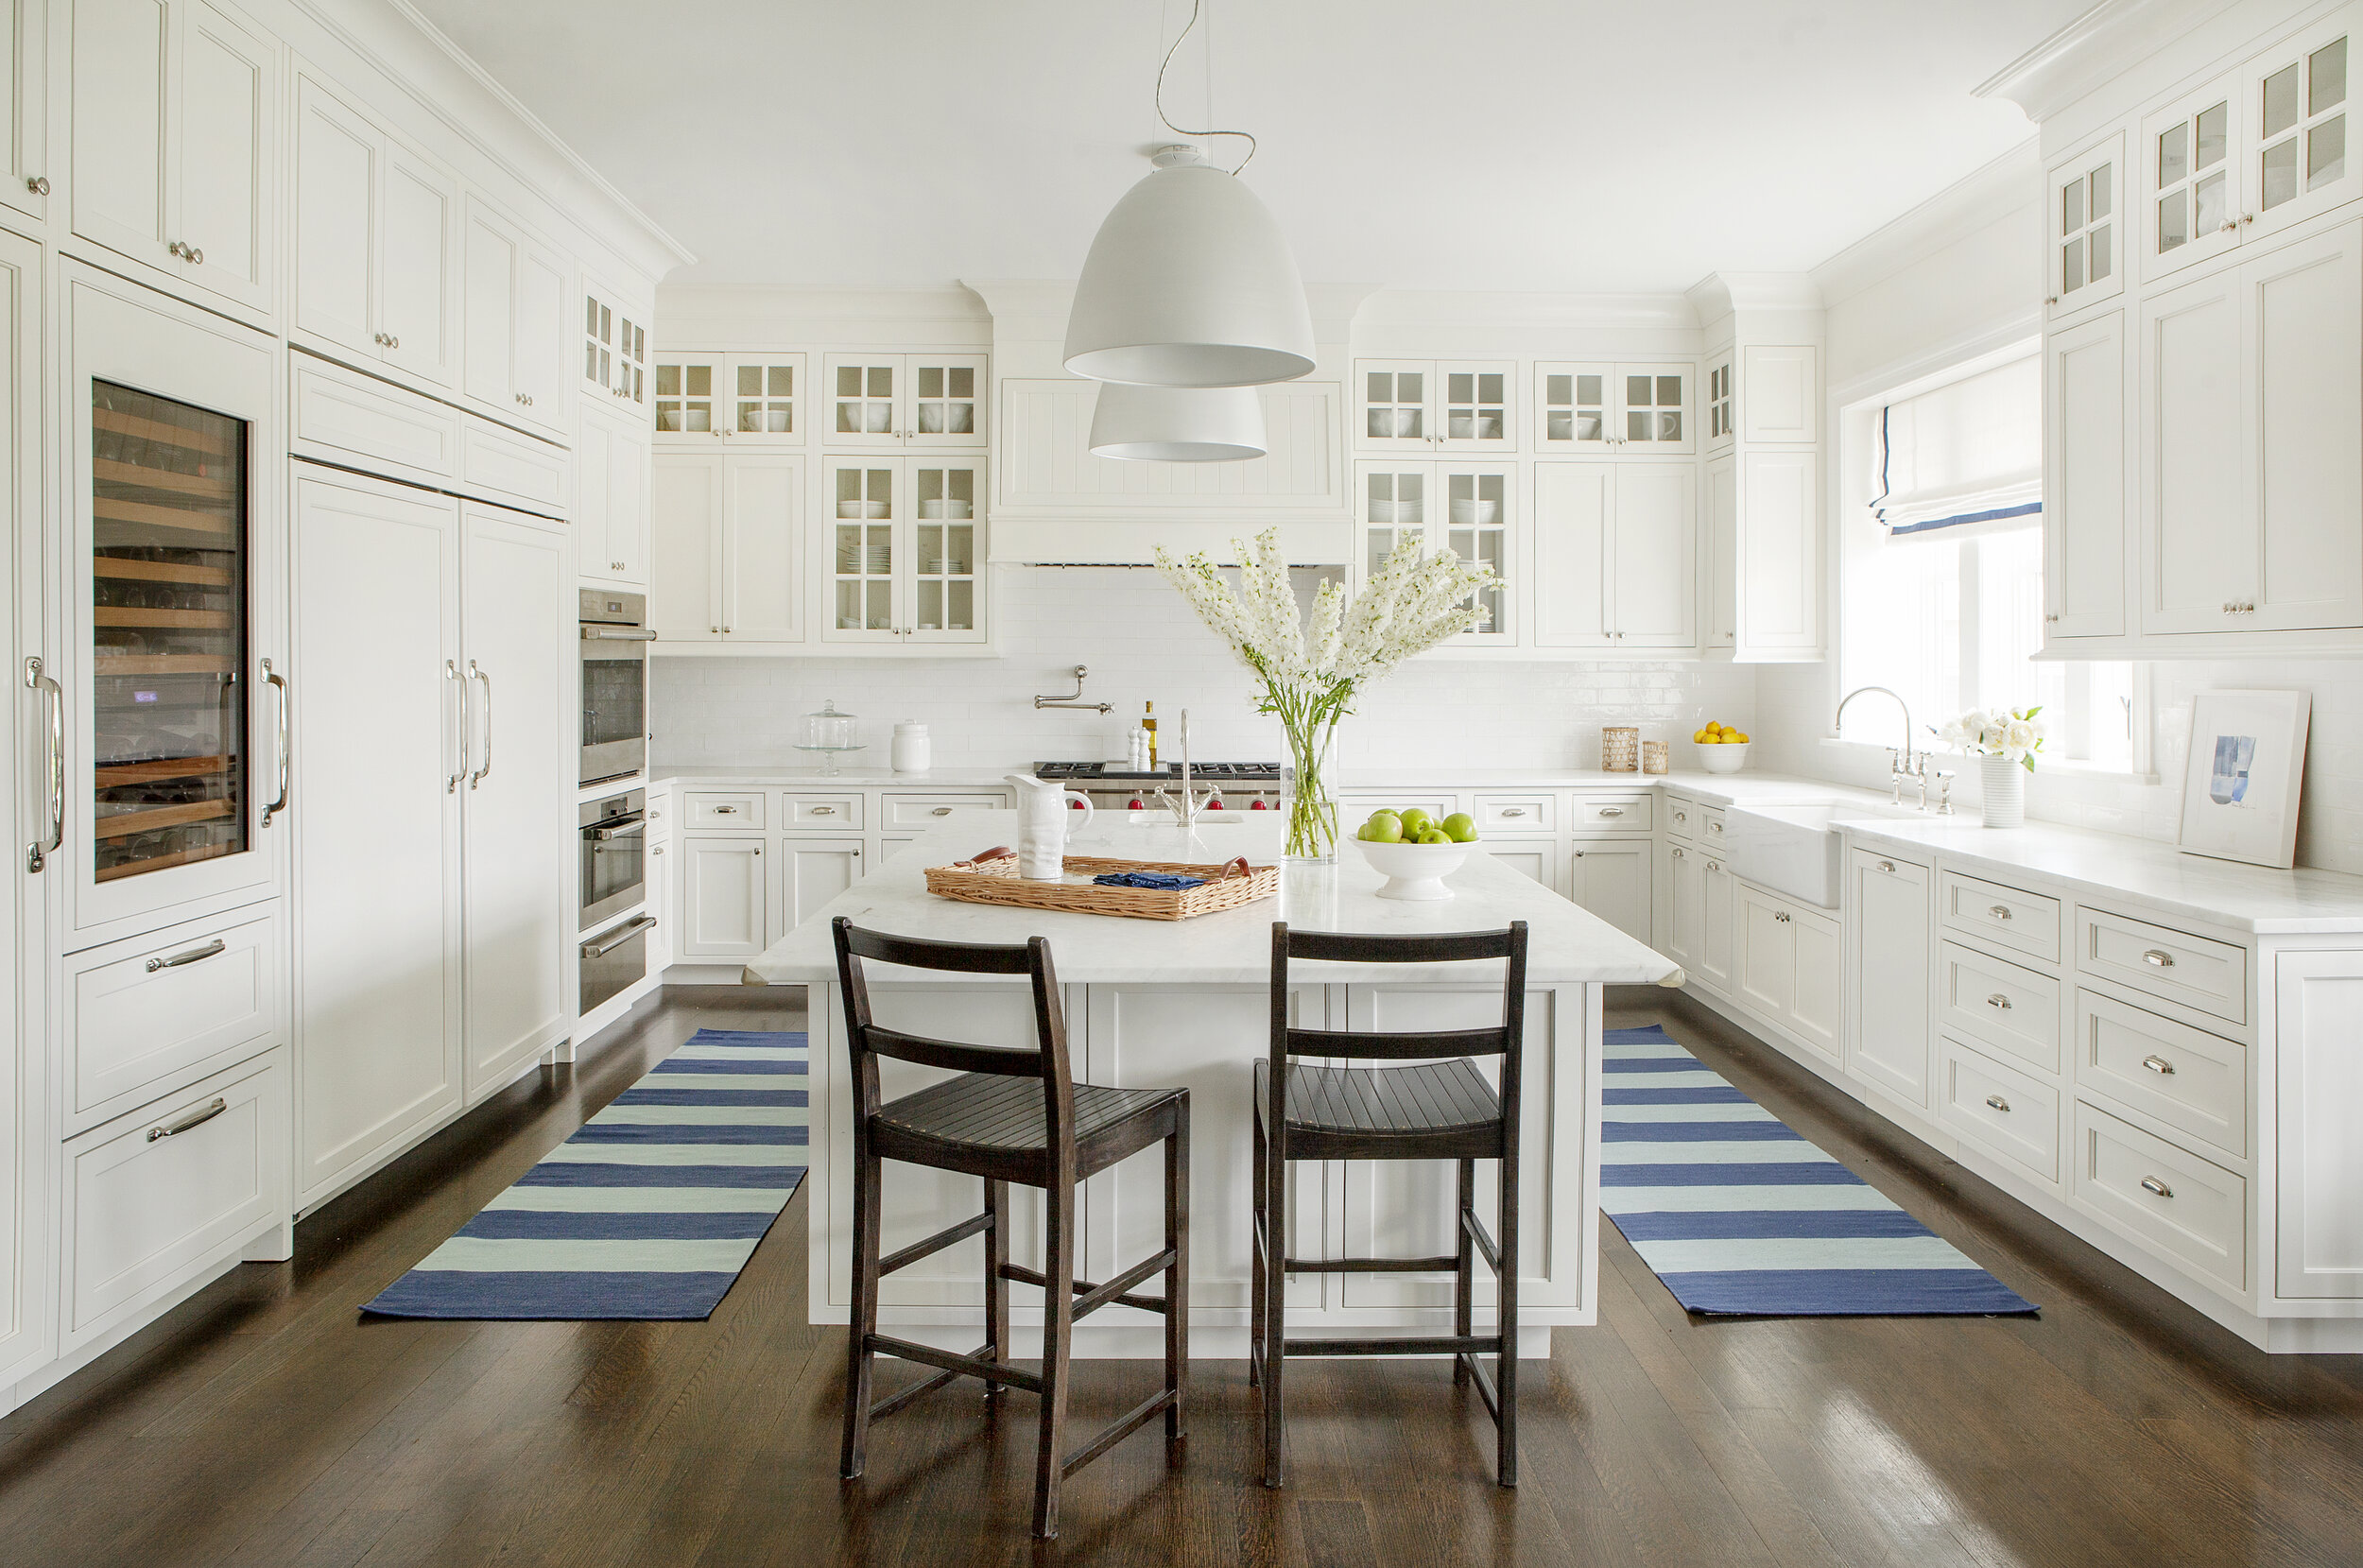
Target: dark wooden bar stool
[[1437, 1110], [990, 1122]]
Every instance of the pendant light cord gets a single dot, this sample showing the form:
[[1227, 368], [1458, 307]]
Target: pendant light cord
[[1178, 131]]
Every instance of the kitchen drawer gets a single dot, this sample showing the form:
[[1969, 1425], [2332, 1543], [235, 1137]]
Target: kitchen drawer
[[154, 1194], [926, 811], [1711, 827], [828, 812], [1997, 1004], [1999, 1109], [2025, 922], [2187, 1209], [1510, 813], [2211, 976], [346, 418], [516, 470], [1681, 817], [2191, 1080], [721, 812], [1613, 813], [147, 1016], [1355, 807]]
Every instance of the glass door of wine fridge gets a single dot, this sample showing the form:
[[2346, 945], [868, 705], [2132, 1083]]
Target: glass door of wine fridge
[[175, 749]]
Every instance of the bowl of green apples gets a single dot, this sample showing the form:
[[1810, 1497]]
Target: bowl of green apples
[[1415, 851]]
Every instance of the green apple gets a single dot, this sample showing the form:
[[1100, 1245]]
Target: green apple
[[1384, 827], [1435, 836], [1415, 821], [1460, 827]]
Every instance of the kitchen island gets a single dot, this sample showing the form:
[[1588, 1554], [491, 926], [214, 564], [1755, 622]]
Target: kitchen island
[[1154, 1003]]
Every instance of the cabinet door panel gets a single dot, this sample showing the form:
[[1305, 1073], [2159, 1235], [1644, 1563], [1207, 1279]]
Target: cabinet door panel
[[685, 557], [762, 549], [2303, 334], [1717, 923], [1611, 880], [122, 134], [1780, 393], [1656, 555], [1722, 571], [722, 898], [1574, 506], [224, 157], [489, 294], [1817, 1007], [2083, 512], [24, 105], [1888, 918], [1536, 859], [338, 157], [1767, 957], [416, 294], [2319, 1236], [817, 870], [2200, 533], [2085, 254], [543, 290], [626, 533], [1779, 555]]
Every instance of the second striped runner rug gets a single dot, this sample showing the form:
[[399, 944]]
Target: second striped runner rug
[[1740, 1215], [650, 1209]]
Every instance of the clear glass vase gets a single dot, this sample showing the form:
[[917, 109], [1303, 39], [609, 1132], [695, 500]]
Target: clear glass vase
[[1309, 793]]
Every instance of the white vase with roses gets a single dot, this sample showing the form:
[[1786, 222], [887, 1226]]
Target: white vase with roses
[[2004, 742]]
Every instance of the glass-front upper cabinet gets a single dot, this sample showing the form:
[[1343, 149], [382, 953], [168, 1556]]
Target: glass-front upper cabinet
[[904, 400], [2085, 260], [748, 399], [1465, 508], [1625, 409], [2194, 209], [1420, 405], [865, 555], [945, 564], [1722, 424], [615, 348], [2298, 124], [906, 551]]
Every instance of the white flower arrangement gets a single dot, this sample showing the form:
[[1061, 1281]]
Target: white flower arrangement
[[1309, 675], [2011, 732]]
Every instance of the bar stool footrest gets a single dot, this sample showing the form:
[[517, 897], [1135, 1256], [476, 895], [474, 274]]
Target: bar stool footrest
[[1116, 1292], [1434, 1344], [956, 1365], [1117, 1430], [972, 1225], [1444, 1264], [1484, 1381]]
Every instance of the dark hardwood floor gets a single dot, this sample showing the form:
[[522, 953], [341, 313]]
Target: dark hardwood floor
[[265, 1422]]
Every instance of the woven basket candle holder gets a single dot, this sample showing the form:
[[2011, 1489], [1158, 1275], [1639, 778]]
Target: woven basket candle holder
[[1655, 757], [1620, 749]]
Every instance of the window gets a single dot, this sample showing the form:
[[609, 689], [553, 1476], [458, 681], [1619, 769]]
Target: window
[[1940, 561]]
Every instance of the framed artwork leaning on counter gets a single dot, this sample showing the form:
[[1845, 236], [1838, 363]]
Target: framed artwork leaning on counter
[[2240, 783]]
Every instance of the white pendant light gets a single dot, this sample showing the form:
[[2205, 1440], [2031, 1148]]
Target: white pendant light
[[1178, 424], [1189, 284]]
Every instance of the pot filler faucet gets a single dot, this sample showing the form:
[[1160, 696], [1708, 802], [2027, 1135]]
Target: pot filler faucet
[[1076, 699], [1905, 763]]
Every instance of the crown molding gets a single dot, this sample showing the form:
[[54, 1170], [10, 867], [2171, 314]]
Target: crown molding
[[1397, 307], [1721, 294], [1037, 308], [2104, 42], [1983, 196]]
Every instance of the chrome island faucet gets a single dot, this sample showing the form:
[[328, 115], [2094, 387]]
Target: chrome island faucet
[[1185, 810], [1902, 765]]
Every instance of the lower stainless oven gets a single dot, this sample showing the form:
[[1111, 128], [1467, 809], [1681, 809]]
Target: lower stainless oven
[[614, 855], [614, 960]]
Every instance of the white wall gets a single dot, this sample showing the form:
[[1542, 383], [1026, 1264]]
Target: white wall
[[1142, 644], [1971, 277]]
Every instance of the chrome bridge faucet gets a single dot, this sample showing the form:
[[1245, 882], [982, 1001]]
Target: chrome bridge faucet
[[1185, 810], [1905, 763]]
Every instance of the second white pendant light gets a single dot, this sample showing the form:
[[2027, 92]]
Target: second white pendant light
[[1178, 424]]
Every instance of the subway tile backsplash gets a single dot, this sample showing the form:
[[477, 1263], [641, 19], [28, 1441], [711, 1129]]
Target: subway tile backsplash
[[1142, 644]]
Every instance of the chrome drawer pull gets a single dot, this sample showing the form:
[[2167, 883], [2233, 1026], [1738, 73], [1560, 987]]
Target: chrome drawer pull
[[823, 811], [1999, 911], [942, 811], [1611, 811], [2151, 1184], [2159, 1065], [195, 954], [1999, 1103], [1998, 1000], [1513, 811], [724, 811], [2157, 959], [1887, 865], [195, 1118]]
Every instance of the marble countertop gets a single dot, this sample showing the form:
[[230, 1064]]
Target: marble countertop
[[1231, 948], [756, 776]]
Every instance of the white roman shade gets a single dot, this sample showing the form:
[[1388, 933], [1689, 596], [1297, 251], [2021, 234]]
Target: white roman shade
[[1968, 452]]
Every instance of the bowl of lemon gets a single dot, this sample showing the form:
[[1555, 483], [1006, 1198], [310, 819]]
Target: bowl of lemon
[[1415, 851], [1721, 748]]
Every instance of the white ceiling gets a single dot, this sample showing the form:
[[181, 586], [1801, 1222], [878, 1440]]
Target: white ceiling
[[1551, 144]]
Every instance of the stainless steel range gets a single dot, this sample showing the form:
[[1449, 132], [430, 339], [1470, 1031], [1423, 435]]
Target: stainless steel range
[[1110, 786]]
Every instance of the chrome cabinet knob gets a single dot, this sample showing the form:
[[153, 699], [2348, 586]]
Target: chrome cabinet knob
[[38, 184]]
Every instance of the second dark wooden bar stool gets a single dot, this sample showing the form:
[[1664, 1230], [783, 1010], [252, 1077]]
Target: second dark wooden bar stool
[[1439, 1108], [990, 1122]]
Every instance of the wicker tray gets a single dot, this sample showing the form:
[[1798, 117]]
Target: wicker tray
[[995, 880]]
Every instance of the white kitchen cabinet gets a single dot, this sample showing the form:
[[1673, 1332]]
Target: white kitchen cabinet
[[1468, 507], [1611, 878], [1722, 418], [1619, 410], [1776, 577], [174, 147], [2295, 131], [723, 900], [2192, 177], [2320, 1229], [1681, 907], [1720, 525], [378, 227], [611, 494], [28, 1193], [1539, 858], [2252, 388], [902, 556], [1719, 902], [1616, 555], [1780, 393], [615, 348], [518, 633], [1888, 1042], [24, 169], [1422, 405], [904, 402], [810, 872], [2084, 512], [2085, 251], [750, 398], [1788, 967], [514, 303], [728, 548], [658, 875]]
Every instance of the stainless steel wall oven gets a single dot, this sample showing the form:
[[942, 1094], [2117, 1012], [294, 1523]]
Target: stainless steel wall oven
[[615, 639]]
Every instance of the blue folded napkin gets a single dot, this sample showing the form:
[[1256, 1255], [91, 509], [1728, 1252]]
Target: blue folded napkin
[[1163, 881]]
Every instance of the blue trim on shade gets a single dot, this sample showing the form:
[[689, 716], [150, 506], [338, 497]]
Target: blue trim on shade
[[610, 1200], [2030, 510]]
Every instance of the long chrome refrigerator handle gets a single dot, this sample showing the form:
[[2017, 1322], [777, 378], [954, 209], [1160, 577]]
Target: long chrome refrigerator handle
[[451, 673], [475, 673], [286, 742], [37, 854]]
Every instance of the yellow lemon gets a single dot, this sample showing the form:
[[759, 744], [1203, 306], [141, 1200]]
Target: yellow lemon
[[1701, 737], [1741, 738]]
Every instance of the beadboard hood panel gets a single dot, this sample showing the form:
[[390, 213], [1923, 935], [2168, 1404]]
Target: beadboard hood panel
[[1054, 504]]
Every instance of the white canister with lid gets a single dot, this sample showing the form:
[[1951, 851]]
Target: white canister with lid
[[912, 751]]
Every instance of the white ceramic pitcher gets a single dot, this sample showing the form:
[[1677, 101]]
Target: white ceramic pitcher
[[1043, 819]]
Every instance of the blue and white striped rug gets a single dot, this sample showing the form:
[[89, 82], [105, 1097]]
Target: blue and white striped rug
[[649, 1211], [1739, 1215]]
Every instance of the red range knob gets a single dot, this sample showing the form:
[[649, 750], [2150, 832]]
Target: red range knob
[[1074, 805], [1256, 805], [1214, 805], [1136, 805]]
